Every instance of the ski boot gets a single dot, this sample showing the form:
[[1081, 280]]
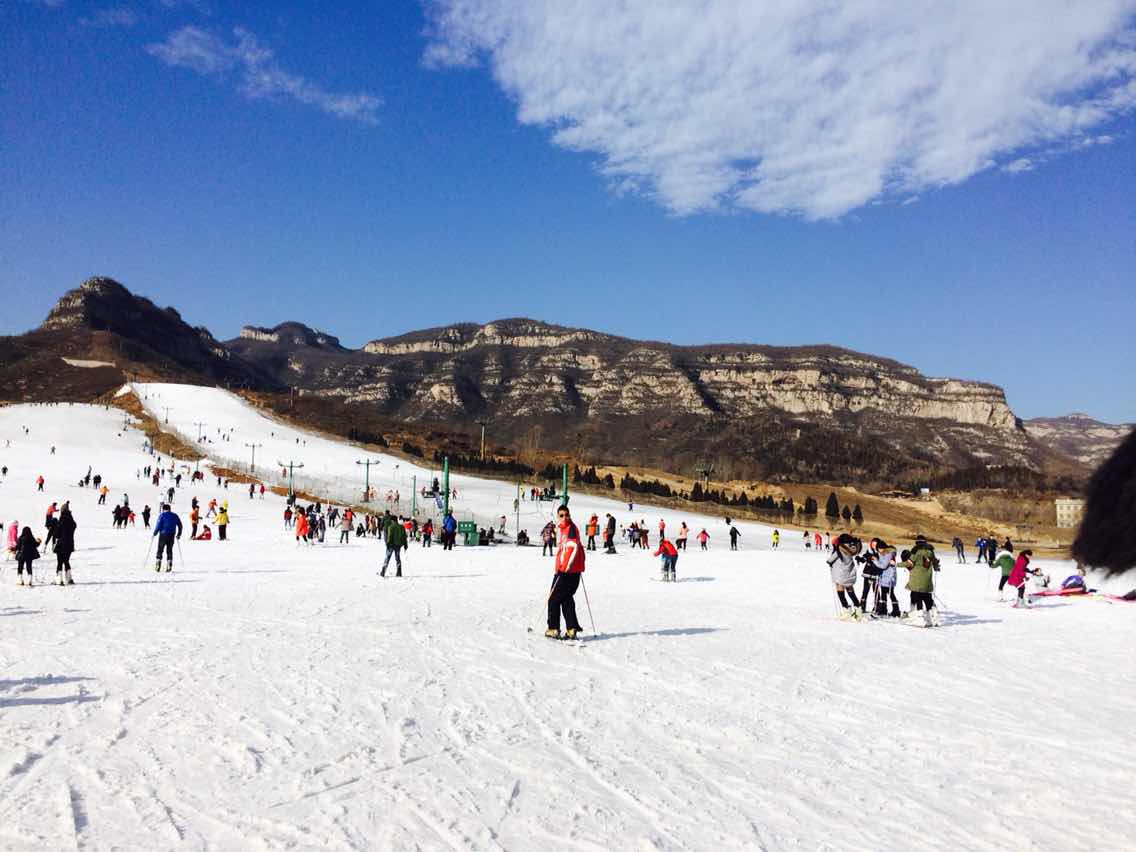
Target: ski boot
[[896, 612], [572, 633], [936, 619], [169, 567], [552, 633], [158, 566], [672, 577], [67, 574], [924, 618], [21, 580], [59, 578]]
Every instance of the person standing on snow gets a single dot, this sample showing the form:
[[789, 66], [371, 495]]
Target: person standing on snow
[[395, 537], [680, 539], [959, 551], [775, 539], [842, 566], [223, 521], [703, 538], [922, 563], [146, 516], [27, 552], [591, 530], [64, 545], [610, 533], [548, 537], [569, 564], [1019, 577], [885, 561], [1005, 562], [166, 528], [670, 559], [734, 535], [345, 528], [449, 530]]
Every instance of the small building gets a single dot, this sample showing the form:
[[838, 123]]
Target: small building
[[1069, 511]]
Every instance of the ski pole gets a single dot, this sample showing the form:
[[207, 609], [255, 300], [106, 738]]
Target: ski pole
[[589, 603], [149, 547], [181, 558]]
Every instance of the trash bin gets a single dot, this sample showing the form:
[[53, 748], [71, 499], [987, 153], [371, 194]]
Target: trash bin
[[468, 531]]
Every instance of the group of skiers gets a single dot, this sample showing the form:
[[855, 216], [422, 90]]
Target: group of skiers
[[23, 546]]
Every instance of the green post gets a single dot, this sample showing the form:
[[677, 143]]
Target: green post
[[564, 486], [446, 484], [414, 497]]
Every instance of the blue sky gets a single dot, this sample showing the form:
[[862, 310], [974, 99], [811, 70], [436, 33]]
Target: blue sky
[[967, 206]]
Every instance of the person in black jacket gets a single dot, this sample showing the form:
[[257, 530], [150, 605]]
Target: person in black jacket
[[27, 552], [64, 545]]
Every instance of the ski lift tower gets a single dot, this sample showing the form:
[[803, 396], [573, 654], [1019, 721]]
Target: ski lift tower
[[704, 469]]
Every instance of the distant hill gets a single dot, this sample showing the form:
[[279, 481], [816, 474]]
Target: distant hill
[[754, 412], [1079, 436]]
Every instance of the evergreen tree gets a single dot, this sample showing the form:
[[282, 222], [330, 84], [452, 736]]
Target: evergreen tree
[[846, 513], [857, 515], [832, 507]]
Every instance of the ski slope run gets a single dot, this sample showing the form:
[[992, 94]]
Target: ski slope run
[[268, 697]]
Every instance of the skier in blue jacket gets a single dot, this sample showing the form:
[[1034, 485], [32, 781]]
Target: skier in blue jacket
[[449, 529], [167, 528]]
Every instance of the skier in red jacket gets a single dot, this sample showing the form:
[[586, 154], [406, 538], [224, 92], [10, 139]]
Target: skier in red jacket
[[670, 559], [569, 566]]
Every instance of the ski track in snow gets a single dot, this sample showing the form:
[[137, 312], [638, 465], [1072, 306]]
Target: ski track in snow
[[269, 697]]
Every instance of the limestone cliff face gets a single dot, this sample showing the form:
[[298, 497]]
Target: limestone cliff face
[[602, 391], [521, 367]]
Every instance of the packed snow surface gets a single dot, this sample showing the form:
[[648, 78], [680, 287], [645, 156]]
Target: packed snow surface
[[265, 696]]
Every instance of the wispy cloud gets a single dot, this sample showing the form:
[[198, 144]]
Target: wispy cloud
[[118, 16], [809, 107], [257, 72]]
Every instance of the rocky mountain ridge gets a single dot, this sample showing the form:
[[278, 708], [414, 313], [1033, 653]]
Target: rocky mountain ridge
[[796, 413], [1079, 436]]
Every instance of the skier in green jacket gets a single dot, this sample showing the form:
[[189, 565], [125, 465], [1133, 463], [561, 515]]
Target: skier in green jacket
[[394, 534], [922, 563], [1005, 561]]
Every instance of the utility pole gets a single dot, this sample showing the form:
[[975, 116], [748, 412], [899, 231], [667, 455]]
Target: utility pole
[[482, 424], [252, 467], [291, 465], [291, 396], [564, 485], [200, 424], [167, 408], [414, 496], [367, 476], [446, 484]]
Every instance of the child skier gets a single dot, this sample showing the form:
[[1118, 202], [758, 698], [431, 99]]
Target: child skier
[[1020, 575], [842, 565], [886, 563], [27, 552], [703, 538], [1005, 562], [670, 559], [922, 563]]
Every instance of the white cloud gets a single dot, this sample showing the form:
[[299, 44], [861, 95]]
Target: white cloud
[[118, 16], [1022, 164], [258, 74], [807, 107]]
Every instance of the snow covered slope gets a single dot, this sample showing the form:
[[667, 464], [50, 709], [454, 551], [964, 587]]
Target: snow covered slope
[[267, 697]]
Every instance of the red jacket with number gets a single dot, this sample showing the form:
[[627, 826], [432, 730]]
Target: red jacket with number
[[666, 549], [569, 552]]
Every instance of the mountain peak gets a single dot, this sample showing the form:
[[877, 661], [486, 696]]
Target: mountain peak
[[295, 333]]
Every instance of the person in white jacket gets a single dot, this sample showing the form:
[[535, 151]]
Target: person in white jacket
[[842, 564]]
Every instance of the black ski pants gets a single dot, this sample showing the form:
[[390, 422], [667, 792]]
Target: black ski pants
[[221, 531], [560, 599], [869, 586], [166, 543], [1002, 583], [21, 565], [591, 542], [547, 549], [344, 536], [922, 600]]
